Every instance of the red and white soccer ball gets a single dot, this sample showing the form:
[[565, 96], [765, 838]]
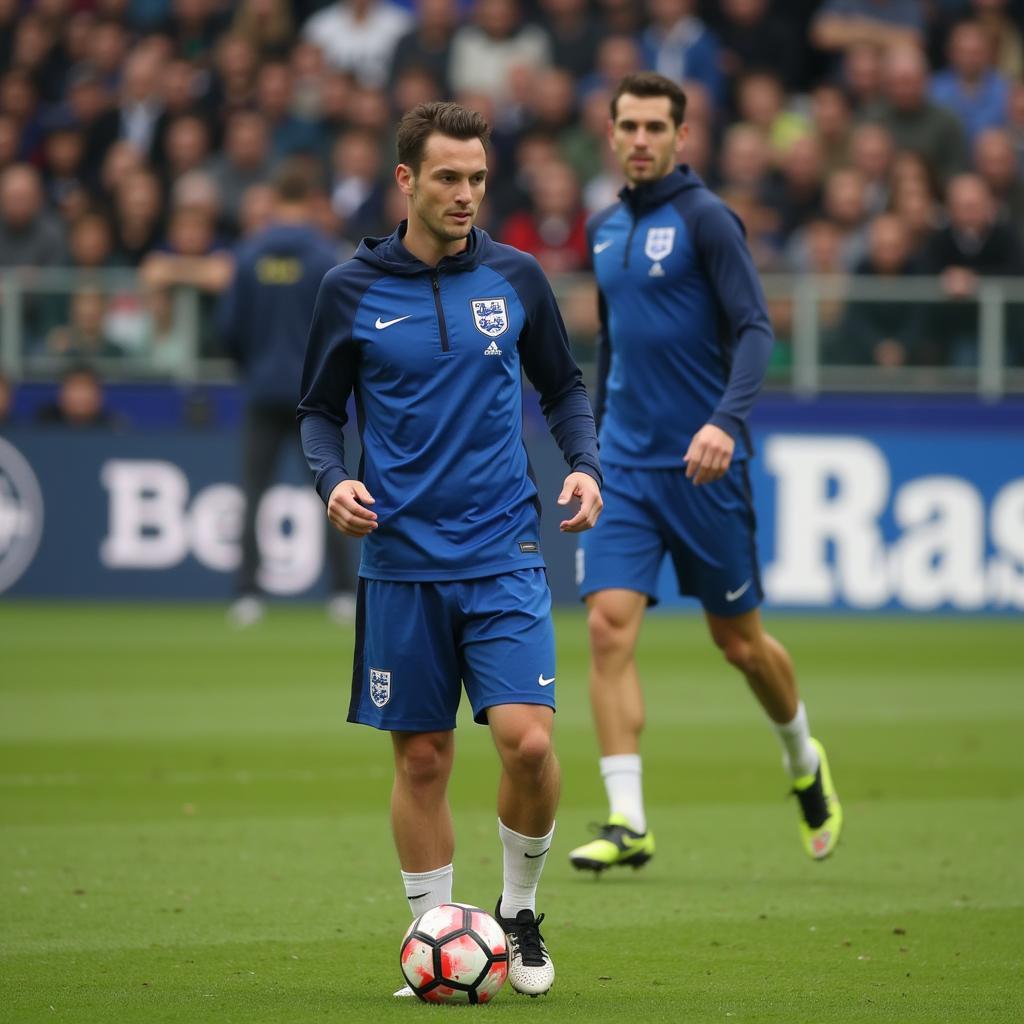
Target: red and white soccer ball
[[455, 953]]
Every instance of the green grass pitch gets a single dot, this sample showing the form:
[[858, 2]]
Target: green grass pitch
[[191, 832]]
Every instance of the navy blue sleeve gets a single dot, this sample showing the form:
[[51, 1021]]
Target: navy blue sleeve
[[720, 240], [328, 376], [550, 367]]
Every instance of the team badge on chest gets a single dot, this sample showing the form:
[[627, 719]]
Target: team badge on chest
[[657, 246], [490, 316], [380, 686]]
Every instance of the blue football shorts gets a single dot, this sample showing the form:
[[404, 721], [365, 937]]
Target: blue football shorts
[[707, 531], [418, 643]]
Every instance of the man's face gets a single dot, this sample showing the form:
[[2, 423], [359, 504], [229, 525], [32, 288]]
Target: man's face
[[646, 141], [445, 194]]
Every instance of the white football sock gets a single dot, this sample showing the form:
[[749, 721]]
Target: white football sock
[[428, 889], [623, 782], [799, 757], [524, 861]]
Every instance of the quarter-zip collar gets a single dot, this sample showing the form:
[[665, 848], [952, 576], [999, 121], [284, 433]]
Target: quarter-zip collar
[[648, 195], [391, 255]]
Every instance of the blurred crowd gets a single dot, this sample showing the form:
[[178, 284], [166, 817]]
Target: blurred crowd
[[873, 137]]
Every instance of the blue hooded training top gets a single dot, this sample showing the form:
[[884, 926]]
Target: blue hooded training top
[[434, 355], [685, 336]]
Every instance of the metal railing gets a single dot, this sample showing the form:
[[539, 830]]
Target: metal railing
[[167, 335]]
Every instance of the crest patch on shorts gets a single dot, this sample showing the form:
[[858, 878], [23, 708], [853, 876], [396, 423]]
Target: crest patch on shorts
[[380, 686]]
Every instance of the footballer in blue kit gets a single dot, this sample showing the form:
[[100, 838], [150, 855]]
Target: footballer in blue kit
[[685, 341], [431, 328]]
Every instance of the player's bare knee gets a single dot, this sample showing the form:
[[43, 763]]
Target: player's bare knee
[[608, 633], [529, 753], [424, 760], [738, 651]]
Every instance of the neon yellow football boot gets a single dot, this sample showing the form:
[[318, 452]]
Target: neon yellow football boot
[[616, 845], [821, 815]]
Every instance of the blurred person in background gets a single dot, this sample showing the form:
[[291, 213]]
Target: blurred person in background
[[64, 157], [753, 36], [876, 332], [685, 343], [266, 24], [181, 93], [761, 101], [841, 24], [970, 86], [232, 84], [574, 35], [996, 161], [289, 134], [1003, 30], [138, 216], [186, 148], [861, 75], [18, 98], [554, 229], [357, 189], [795, 191], [84, 336], [359, 36], [192, 257], [139, 101], [487, 51], [10, 141], [80, 402], [845, 205], [6, 400], [244, 161], [679, 45], [264, 320], [427, 45], [832, 121], [973, 244], [30, 236], [913, 120], [871, 153]]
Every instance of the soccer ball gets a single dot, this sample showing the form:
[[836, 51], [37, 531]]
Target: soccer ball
[[455, 953]]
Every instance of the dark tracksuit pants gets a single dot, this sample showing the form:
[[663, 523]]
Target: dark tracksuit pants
[[269, 430]]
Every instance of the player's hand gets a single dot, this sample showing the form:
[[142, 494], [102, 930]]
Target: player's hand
[[709, 456], [346, 509], [584, 487]]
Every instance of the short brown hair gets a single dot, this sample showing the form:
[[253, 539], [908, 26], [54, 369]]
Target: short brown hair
[[649, 83], [449, 119]]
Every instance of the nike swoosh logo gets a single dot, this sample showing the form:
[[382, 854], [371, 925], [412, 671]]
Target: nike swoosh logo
[[735, 595], [544, 682], [420, 896], [381, 324], [534, 856], [601, 246]]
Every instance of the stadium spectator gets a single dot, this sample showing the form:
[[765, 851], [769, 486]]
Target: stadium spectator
[[677, 44], [233, 79], [138, 216], [1004, 34], [427, 45], [180, 95], [30, 236], [193, 26], [89, 101], [267, 25], [308, 72], [845, 205], [551, 103], [187, 148], [871, 153], [359, 36], [10, 140], [795, 190], [18, 99], [861, 75], [35, 53], [831, 118], [573, 34], [256, 210], [554, 228], [584, 144], [192, 256], [970, 86], [972, 245], [244, 161], [84, 336], [753, 37], [80, 402], [842, 24], [90, 242], [289, 134], [913, 120], [108, 49], [996, 161], [761, 102], [745, 158], [139, 101], [487, 52], [357, 189], [63, 162], [878, 332], [264, 318]]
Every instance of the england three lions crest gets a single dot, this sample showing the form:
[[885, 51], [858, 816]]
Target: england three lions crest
[[380, 686], [490, 316], [658, 245]]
